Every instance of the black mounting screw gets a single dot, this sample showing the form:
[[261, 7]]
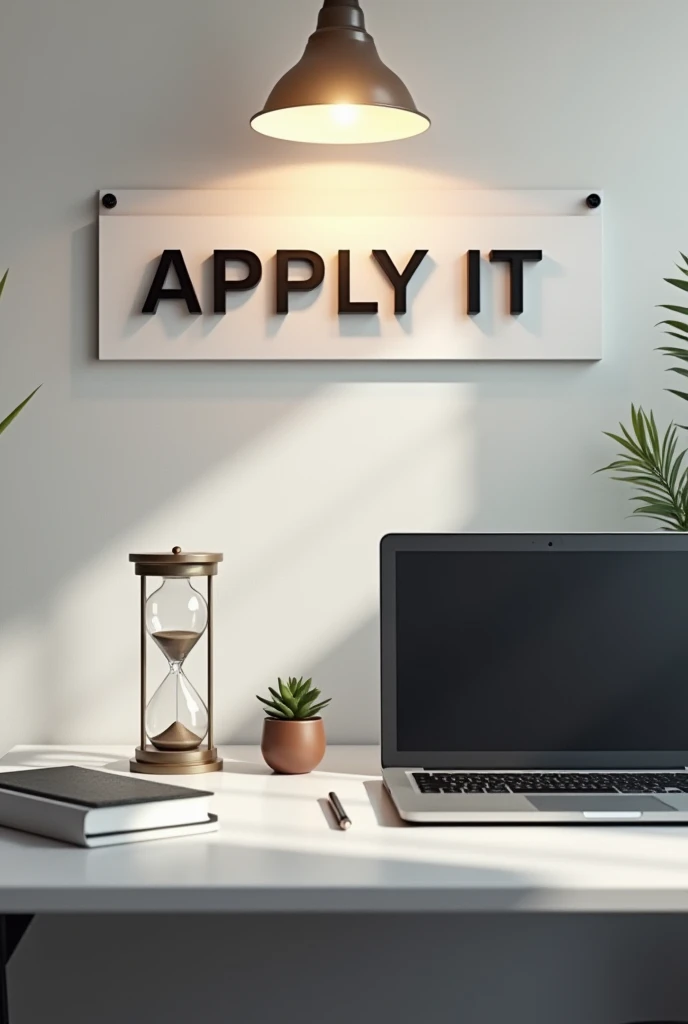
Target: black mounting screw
[[109, 201], [593, 201]]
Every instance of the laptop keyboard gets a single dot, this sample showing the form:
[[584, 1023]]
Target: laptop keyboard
[[551, 782]]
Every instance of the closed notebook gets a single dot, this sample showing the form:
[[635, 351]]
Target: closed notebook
[[92, 808]]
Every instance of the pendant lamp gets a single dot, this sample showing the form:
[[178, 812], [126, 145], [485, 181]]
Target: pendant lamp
[[340, 91]]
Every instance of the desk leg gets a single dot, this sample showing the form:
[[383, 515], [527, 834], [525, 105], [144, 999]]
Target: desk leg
[[12, 929]]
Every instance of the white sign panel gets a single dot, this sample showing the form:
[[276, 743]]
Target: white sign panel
[[270, 276]]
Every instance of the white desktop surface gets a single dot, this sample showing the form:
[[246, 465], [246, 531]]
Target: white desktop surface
[[278, 850]]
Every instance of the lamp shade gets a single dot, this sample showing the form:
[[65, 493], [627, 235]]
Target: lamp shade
[[340, 91]]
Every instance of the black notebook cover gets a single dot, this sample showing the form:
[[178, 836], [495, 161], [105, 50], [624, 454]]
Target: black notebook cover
[[88, 788]]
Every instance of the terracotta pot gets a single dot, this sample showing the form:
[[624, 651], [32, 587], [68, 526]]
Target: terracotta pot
[[293, 748]]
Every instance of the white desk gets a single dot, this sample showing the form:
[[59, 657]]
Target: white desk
[[278, 850]]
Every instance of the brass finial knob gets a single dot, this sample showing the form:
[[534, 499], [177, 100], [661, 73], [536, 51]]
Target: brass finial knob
[[176, 551]]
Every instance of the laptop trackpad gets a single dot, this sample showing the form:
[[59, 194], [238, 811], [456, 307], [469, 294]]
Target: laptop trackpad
[[590, 802]]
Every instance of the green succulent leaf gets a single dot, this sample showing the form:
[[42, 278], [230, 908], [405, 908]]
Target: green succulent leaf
[[268, 703], [2, 282], [279, 705], [301, 687], [286, 695], [318, 707], [311, 696]]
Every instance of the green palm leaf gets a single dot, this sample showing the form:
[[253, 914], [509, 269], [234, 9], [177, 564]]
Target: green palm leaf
[[15, 412], [677, 283]]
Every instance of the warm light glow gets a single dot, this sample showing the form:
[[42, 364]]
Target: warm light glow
[[340, 124], [344, 114]]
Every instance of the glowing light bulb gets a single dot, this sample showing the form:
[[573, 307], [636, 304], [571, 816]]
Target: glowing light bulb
[[344, 114]]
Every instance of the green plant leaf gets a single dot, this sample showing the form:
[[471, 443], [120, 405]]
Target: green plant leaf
[[285, 691], [677, 324], [683, 310], [655, 470], [654, 439], [677, 283], [268, 703], [272, 708], [300, 688], [308, 699], [670, 350], [13, 415], [280, 704], [674, 471], [679, 394], [286, 695], [318, 707], [630, 446], [15, 412]]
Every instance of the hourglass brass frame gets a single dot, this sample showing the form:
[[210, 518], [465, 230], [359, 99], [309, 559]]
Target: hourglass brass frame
[[147, 760]]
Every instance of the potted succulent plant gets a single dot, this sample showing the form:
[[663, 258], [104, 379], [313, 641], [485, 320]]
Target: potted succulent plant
[[293, 733]]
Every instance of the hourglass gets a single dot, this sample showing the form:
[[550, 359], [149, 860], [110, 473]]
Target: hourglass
[[176, 724]]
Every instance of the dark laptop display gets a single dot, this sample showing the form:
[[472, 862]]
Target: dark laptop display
[[560, 651], [528, 678]]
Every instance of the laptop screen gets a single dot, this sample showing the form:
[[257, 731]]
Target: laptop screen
[[542, 650]]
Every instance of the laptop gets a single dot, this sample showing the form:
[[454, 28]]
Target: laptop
[[535, 680]]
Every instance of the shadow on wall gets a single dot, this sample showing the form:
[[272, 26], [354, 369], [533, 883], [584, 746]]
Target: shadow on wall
[[295, 471]]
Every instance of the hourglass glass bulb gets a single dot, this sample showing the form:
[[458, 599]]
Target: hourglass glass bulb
[[176, 618], [176, 717]]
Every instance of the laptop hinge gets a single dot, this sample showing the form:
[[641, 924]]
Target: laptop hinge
[[524, 771]]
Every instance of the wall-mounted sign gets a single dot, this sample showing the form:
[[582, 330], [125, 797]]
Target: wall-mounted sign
[[421, 276]]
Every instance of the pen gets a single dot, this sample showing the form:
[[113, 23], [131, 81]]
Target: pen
[[343, 819]]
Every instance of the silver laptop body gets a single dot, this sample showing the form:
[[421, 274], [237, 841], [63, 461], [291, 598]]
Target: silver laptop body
[[533, 679]]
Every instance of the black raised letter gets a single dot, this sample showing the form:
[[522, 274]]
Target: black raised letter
[[473, 282], [516, 258], [345, 303], [221, 257], [171, 258], [399, 281], [309, 284]]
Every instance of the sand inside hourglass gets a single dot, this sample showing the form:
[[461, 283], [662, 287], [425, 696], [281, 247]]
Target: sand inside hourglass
[[176, 644]]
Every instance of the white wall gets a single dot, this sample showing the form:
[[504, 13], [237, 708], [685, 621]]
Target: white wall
[[295, 471]]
